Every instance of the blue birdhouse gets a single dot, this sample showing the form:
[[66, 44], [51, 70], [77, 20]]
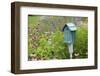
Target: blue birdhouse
[[69, 30]]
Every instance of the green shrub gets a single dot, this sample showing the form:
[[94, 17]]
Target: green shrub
[[81, 43], [52, 46]]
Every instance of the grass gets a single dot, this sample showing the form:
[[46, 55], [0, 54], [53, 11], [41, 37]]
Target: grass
[[32, 20]]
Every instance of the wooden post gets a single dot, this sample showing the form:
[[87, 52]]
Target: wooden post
[[70, 48]]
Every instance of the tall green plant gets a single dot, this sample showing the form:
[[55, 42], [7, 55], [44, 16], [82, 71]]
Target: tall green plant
[[81, 43]]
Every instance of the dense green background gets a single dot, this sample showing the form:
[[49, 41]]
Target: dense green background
[[46, 40]]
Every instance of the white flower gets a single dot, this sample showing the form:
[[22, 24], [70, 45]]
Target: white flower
[[49, 41], [76, 54]]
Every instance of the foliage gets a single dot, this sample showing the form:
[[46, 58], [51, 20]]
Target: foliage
[[46, 44], [50, 46], [81, 43]]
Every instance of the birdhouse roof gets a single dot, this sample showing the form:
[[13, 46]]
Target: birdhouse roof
[[70, 26]]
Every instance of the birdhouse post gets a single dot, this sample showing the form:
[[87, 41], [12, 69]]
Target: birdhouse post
[[69, 30]]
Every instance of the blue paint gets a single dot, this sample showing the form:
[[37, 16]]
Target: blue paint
[[69, 33]]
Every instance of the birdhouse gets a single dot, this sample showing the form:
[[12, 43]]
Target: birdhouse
[[69, 30]]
